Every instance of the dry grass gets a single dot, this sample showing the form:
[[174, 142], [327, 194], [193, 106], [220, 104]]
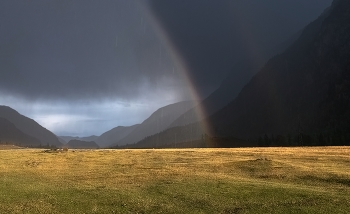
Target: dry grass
[[247, 180], [6, 147]]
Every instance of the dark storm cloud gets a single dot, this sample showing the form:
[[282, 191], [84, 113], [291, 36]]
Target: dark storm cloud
[[79, 49], [91, 49], [213, 35], [82, 67]]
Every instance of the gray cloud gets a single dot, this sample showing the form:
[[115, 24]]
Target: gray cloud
[[84, 66], [80, 50], [213, 35], [89, 49]]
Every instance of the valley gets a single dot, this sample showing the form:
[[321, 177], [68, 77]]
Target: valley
[[225, 107]]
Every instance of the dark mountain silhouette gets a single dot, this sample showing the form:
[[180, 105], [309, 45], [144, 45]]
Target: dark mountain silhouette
[[173, 137], [191, 135], [68, 138], [79, 144], [29, 126], [11, 135], [157, 122], [239, 76], [114, 135], [300, 97], [303, 92]]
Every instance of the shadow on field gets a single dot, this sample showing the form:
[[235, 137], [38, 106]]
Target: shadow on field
[[330, 180], [265, 169]]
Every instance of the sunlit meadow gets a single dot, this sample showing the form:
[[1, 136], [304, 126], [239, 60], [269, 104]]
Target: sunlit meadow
[[242, 180]]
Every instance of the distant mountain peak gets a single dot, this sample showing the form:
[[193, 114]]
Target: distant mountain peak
[[157, 122], [113, 135]]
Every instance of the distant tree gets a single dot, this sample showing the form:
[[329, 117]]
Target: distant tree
[[260, 141], [329, 140], [307, 140], [272, 141], [280, 140], [266, 140], [289, 140], [321, 140]]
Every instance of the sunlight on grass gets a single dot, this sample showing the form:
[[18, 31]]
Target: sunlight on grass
[[247, 180]]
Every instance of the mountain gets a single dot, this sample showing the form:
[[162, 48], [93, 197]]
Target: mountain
[[89, 138], [240, 75], [157, 122], [29, 126], [115, 134], [79, 144], [11, 135], [61, 140], [301, 95]]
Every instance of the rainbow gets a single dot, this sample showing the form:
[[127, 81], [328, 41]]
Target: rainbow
[[180, 64]]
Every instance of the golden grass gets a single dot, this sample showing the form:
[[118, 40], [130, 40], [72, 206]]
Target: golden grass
[[5, 147], [243, 180]]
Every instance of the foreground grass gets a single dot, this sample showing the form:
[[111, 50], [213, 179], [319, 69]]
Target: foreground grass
[[252, 180]]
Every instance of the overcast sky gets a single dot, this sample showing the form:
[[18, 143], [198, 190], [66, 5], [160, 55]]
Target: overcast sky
[[82, 67]]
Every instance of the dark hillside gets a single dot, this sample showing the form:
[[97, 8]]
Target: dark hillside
[[304, 91], [11, 135], [29, 126], [300, 97]]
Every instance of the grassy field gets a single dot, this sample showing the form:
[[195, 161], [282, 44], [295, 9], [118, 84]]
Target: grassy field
[[248, 180]]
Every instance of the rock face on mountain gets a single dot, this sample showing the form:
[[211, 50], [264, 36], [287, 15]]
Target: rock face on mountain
[[303, 92], [114, 135], [79, 144], [157, 122], [29, 126], [11, 135]]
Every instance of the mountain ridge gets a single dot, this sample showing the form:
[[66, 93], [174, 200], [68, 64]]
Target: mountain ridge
[[29, 126], [109, 137], [295, 93], [88, 138], [298, 98], [156, 122], [232, 84]]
